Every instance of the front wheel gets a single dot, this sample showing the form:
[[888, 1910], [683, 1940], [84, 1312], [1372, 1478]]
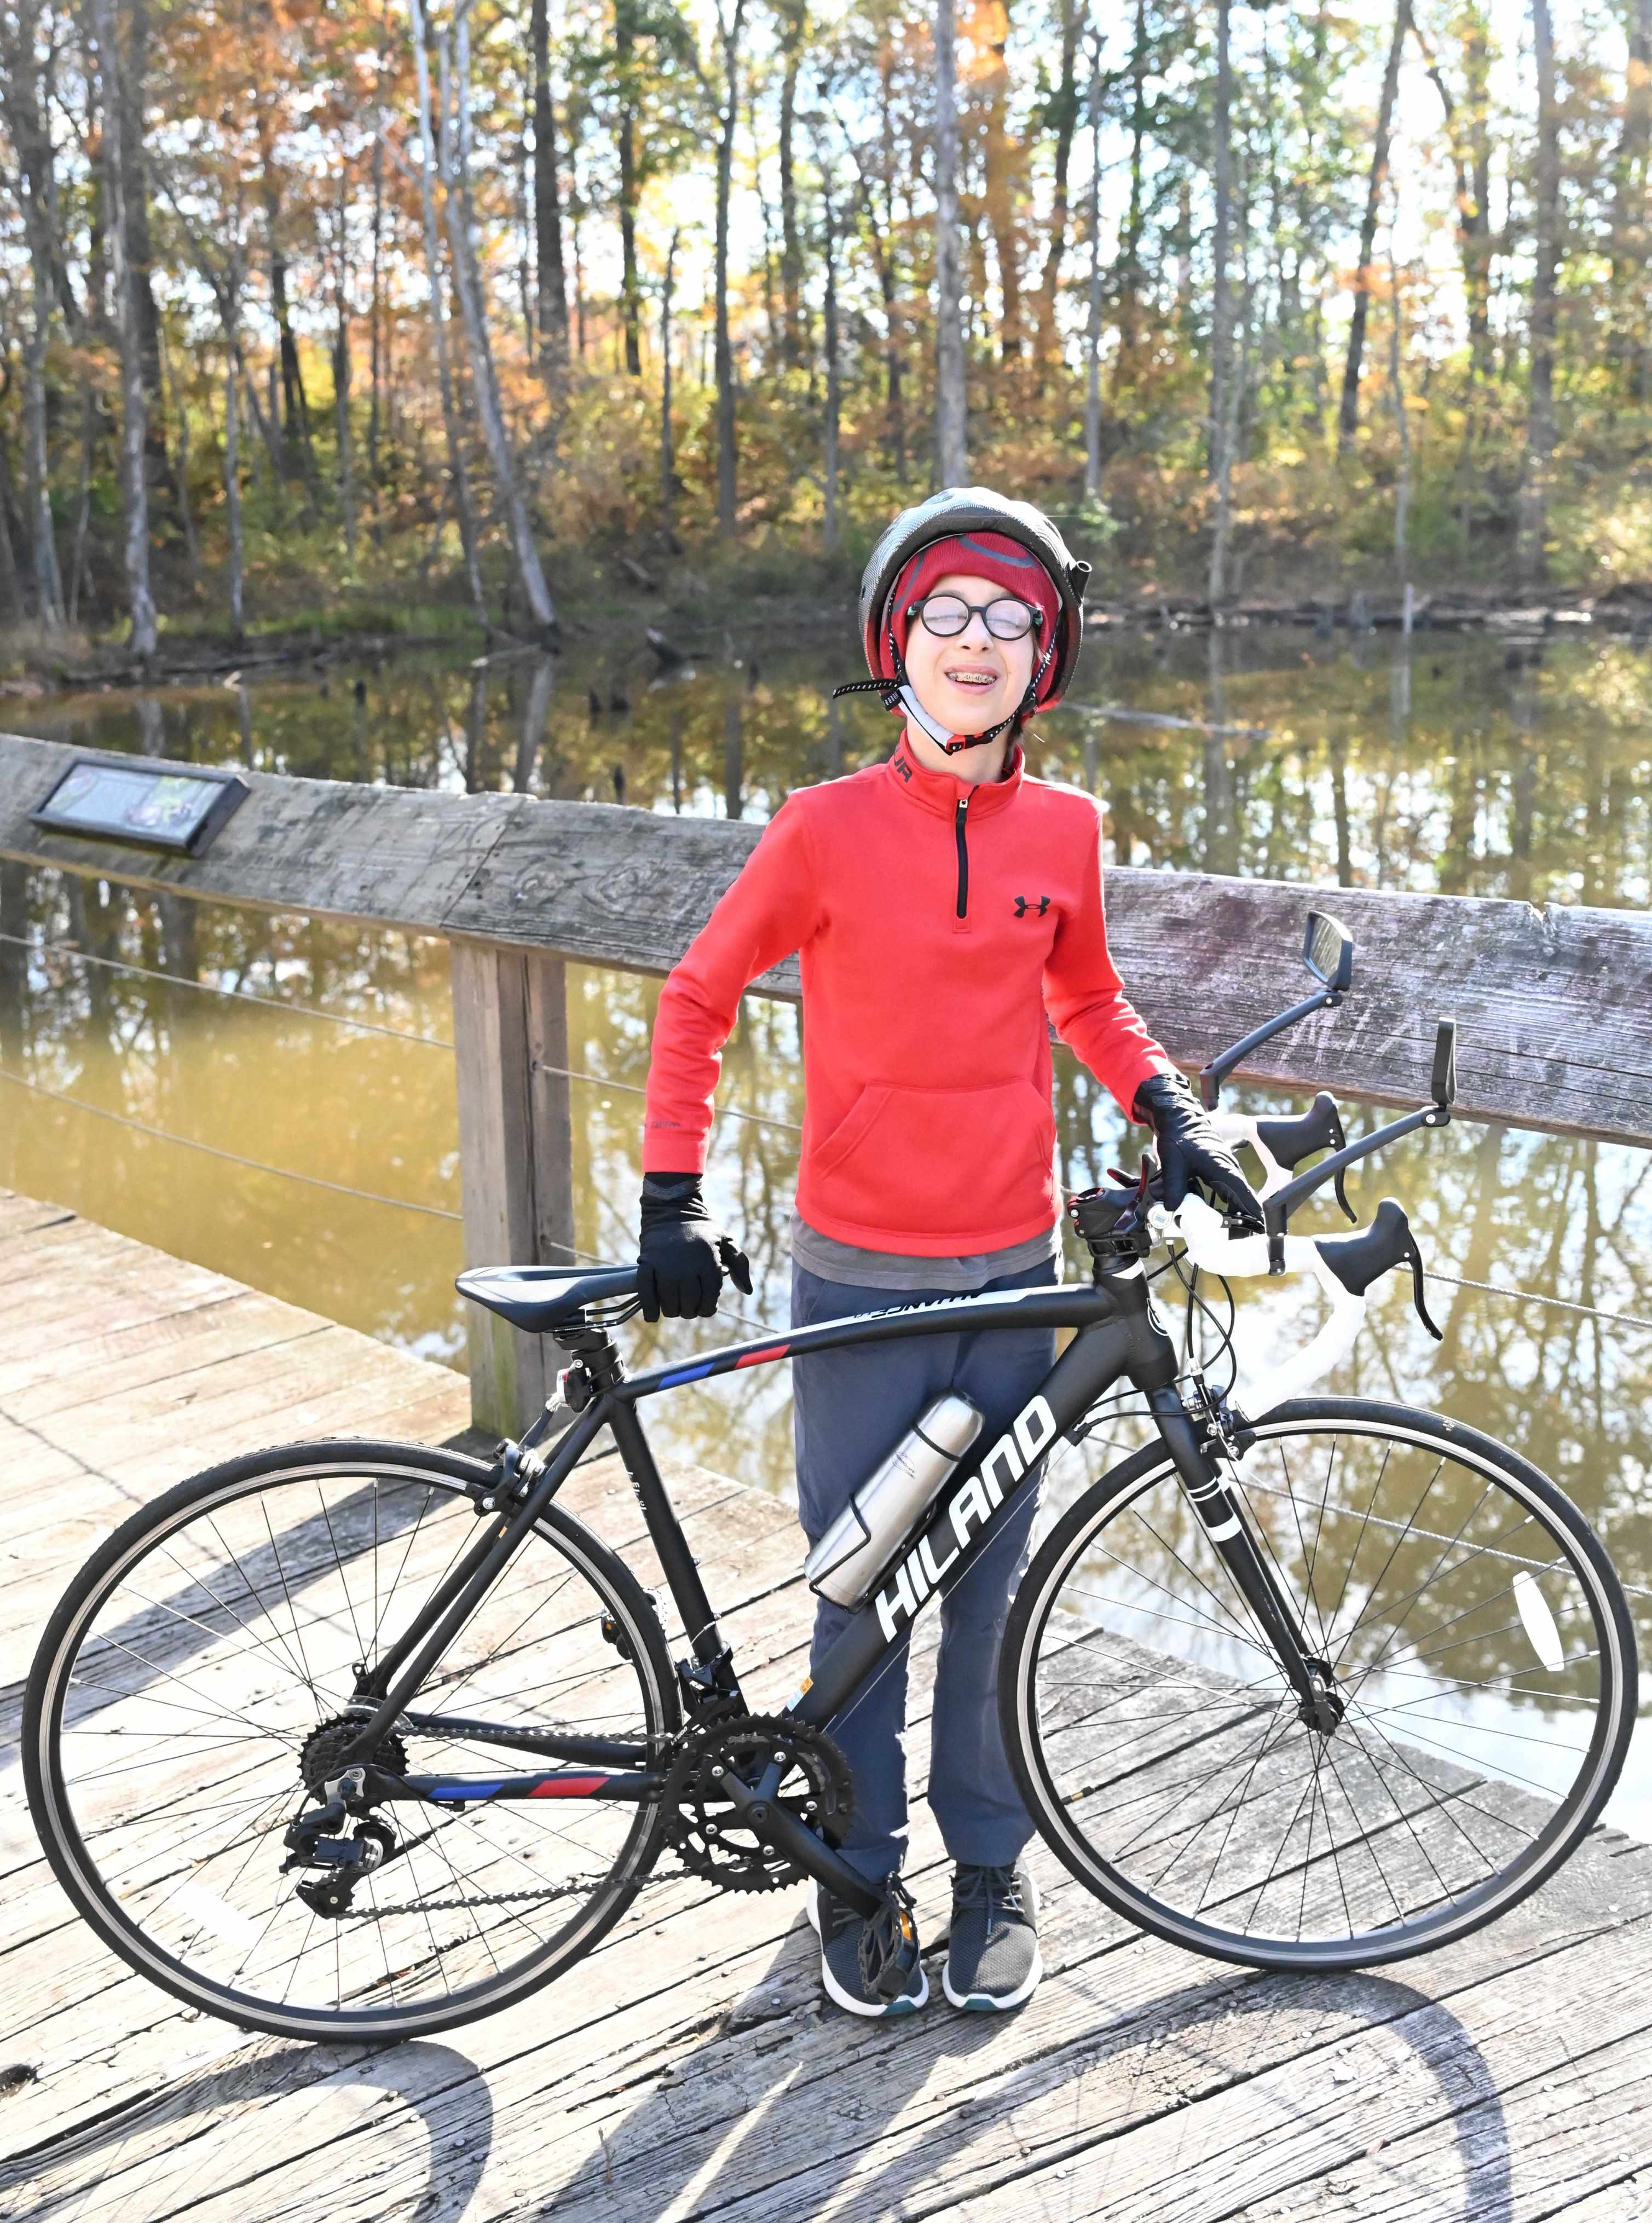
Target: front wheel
[[196, 1679], [1481, 1648]]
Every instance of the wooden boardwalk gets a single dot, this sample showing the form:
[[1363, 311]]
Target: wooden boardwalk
[[687, 2068]]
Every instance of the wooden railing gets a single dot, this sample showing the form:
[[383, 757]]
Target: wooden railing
[[1553, 1006]]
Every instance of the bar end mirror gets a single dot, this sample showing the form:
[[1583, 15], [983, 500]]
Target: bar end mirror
[[1442, 1084], [1327, 951]]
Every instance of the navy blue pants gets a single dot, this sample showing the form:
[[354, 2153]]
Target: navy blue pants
[[851, 1407]]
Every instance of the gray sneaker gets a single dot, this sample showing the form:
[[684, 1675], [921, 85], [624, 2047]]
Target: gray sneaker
[[992, 1959], [838, 1927]]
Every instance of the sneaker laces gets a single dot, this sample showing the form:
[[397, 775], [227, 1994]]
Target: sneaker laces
[[997, 1889]]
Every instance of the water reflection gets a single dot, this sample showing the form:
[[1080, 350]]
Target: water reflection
[[1463, 764]]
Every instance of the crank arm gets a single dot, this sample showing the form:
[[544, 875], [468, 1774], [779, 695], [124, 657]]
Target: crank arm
[[775, 1826]]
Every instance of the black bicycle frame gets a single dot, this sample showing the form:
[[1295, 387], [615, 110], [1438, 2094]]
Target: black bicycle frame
[[1119, 1336]]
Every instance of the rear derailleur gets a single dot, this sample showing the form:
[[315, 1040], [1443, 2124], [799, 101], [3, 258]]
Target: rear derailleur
[[341, 1835]]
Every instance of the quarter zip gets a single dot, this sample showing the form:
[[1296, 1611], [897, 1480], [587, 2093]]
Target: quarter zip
[[960, 818]]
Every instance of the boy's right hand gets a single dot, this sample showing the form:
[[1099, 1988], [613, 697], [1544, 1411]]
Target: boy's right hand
[[683, 1254]]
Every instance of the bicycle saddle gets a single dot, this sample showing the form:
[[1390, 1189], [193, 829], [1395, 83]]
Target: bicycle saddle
[[541, 1299]]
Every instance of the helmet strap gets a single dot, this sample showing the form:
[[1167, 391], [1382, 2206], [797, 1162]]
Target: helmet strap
[[899, 694]]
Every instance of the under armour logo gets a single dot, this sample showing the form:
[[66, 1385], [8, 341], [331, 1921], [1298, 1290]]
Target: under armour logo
[[1022, 903], [904, 769]]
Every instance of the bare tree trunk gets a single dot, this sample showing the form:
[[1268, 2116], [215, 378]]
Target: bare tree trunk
[[376, 316], [295, 403], [1348, 421], [455, 158], [888, 285], [185, 513], [232, 499], [134, 487], [1403, 430], [1092, 338], [1540, 420], [547, 202], [834, 383], [793, 15], [1064, 111], [1130, 247], [999, 197], [1628, 224], [1222, 313], [133, 70], [27, 123], [460, 476], [630, 294], [341, 379], [83, 496], [951, 405], [729, 27], [667, 453]]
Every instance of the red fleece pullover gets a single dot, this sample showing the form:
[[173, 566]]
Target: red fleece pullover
[[938, 922]]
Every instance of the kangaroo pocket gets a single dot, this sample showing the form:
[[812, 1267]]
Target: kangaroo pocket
[[932, 1162]]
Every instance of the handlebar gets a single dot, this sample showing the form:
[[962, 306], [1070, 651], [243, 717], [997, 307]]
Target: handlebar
[[1346, 1267]]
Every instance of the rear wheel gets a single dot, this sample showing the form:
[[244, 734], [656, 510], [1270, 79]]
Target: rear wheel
[[1481, 1647], [190, 1681]]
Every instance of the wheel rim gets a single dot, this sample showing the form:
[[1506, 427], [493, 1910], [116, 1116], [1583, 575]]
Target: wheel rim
[[1477, 1646], [187, 1684]]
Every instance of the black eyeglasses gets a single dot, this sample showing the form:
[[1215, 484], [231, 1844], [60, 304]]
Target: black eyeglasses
[[946, 616]]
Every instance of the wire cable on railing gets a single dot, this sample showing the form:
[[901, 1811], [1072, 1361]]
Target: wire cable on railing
[[1535, 1297], [359, 1026], [634, 1088], [210, 988], [233, 1157]]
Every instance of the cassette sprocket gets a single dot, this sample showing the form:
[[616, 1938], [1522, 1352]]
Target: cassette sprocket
[[704, 1829]]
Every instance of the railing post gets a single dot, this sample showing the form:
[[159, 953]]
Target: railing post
[[510, 1034]]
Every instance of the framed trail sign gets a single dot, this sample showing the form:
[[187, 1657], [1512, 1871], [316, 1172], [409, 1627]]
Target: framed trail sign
[[157, 806]]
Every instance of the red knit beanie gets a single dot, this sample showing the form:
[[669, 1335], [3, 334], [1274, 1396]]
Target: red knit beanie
[[991, 555]]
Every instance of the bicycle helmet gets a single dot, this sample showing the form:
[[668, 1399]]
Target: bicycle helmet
[[950, 514]]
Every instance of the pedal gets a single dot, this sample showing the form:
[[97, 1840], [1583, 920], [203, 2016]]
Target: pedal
[[888, 1950]]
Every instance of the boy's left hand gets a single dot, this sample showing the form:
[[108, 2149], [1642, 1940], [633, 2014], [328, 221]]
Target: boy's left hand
[[1189, 1148]]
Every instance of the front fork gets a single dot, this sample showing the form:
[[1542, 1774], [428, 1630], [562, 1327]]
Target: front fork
[[1221, 1510]]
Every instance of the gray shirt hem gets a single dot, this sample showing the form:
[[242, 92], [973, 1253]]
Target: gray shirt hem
[[895, 1269]]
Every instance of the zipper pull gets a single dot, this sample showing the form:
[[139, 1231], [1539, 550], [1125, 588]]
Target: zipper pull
[[959, 821]]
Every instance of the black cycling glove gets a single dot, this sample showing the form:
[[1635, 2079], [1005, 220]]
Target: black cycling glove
[[683, 1254], [1189, 1148]]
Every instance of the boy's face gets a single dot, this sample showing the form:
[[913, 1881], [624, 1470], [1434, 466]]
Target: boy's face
[[974, 681]]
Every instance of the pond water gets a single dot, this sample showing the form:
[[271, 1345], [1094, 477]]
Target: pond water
[[322, 1054]]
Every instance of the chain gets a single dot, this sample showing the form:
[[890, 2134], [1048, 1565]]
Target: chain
[[570, 1890]]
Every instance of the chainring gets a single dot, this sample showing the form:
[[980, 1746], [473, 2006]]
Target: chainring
[[703, 1825]]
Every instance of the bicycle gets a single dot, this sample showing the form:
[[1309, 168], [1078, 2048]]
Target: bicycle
[[1303, 1683]]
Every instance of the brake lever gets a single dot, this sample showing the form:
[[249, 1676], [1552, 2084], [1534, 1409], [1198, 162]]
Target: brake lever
[[1414, 1259]]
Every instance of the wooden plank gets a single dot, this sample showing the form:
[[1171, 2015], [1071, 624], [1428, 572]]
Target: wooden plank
[[395, 854], [1555, 1007]]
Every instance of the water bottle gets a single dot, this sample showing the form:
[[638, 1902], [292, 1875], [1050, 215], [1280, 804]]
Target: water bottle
[[883, 1512]]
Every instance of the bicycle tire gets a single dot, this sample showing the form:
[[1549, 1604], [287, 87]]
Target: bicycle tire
[[1462, 1768], [221, 1493]]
